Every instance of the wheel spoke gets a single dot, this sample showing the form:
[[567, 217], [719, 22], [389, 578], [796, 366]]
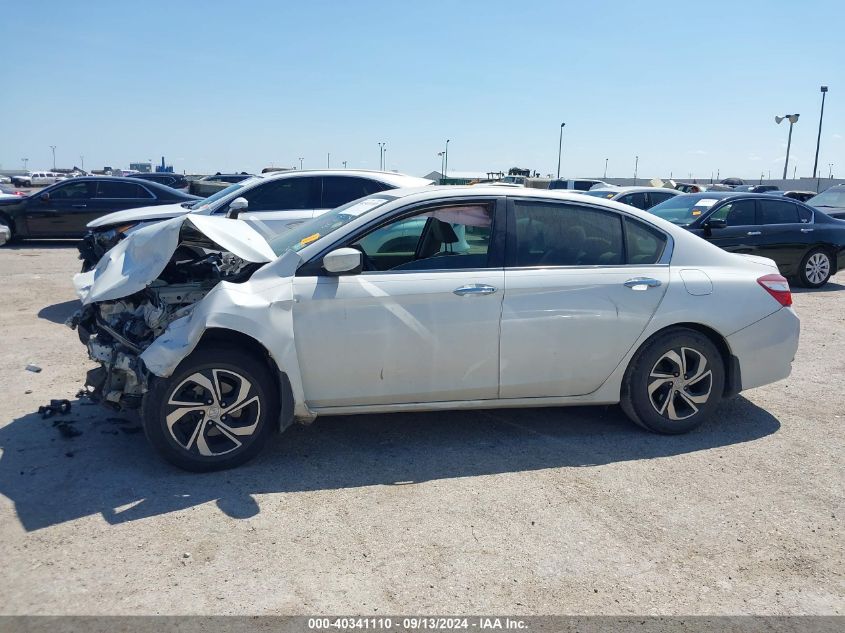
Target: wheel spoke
[[700, 366], [232, 432], [656, 384], [673, 413], [177, 414]]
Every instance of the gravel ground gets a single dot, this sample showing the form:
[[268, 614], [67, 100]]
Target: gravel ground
[[539, 511]]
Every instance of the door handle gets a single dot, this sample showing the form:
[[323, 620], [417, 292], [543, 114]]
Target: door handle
[[642, 283], [80, 206], [806, 230], [754, 233], [474, 289]]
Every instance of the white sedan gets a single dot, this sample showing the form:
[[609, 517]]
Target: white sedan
[[425, 299]]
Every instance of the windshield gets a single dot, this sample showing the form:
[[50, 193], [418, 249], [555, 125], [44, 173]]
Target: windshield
[[833, 197], [298, 238], [201, 204], [683, 210]]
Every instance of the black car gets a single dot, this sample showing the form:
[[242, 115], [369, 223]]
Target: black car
[[62, 210], [806, 244], [831, 201], [176, 181]]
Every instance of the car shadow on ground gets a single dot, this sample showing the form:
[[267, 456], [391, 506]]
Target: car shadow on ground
[[109, 469], [828, 287], [25, 245], [59, 312]]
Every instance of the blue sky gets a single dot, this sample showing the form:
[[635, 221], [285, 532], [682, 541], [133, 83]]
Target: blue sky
[[689, 87]]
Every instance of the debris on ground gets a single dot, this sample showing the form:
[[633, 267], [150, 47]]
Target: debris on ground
[[66, 430], [33, 368], [61, 407], [28, 391]]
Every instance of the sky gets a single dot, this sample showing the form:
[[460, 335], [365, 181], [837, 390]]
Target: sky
[[688, 87]]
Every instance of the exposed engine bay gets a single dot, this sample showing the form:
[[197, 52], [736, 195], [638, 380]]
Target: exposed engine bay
[[117, 331]]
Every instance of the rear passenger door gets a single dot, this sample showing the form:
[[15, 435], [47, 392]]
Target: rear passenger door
[[656, 197], [339, 190], [581, 284], [281, 203], [785, 237]]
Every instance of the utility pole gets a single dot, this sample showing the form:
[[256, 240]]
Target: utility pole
[[446, 160], [636, 166], [82, 162], [300, 163], [329, 160], [53, 147], [819, 139], [560, 148], [24, 161], [344, 164], [605, 168]]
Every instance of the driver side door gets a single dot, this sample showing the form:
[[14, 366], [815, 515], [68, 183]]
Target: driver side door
[[419, 324]]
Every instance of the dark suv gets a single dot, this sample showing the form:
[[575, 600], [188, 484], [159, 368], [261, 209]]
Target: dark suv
[[176, 181]]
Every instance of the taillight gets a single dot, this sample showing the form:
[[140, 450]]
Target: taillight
[[778, 287]]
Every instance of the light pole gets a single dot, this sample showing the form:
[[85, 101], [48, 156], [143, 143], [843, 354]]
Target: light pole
[[53, 147], [636, 166], [446, 160], [328, 160], [344, 164], [385, 158], [792, 119], [605, 168], [24, 161], [442, 169], [560, 149], [830, 170], [300, 163], [819, 139], [382, 148], [82, 162]]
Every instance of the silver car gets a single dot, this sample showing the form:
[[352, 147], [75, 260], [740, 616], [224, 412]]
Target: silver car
[[425, 299]]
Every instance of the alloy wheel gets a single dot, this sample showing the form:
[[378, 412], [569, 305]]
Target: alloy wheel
[[679, 383], [817, 268], [213, 412]]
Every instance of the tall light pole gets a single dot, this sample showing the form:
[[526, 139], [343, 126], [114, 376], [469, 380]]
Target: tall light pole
[[560, 148], [605, 167], [53, 147], [328, 160], [381, 149], [830, 170], [636, 166], [446, 160], [82, 162], [24, 161], [442, 169], [344, 164], [300, 163], [792, 119], [819, 139], [385, 157]]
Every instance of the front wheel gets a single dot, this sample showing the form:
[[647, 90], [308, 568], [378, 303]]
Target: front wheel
[[815, 269], [216, 411], [674, 382], [5, 232]]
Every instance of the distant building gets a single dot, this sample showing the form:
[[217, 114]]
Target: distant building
[[144, 168]]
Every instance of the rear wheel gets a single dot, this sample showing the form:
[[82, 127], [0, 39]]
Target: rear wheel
[[816, 268], [674, 382], [216, 411], [5, 231]]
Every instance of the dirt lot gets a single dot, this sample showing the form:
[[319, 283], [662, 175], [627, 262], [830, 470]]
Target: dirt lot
[[532, 511]]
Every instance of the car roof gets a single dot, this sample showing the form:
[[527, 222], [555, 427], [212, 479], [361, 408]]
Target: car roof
[[389, 177], [633, 189]]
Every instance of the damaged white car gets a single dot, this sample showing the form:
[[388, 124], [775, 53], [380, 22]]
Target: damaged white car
[[425, 299]]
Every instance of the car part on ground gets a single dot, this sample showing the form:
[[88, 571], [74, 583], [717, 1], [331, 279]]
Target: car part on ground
[[220, 337]]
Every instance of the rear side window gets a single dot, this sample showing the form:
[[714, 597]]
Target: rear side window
[[558, 184], [339, 190], [637, 200], [644, 245], [583, 185], [656, 197], [737, 213], [121, 190], [565, 235], [778, 212], [285, 193]]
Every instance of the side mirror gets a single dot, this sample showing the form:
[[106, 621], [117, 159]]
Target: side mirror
[[236, 206], [44, 197], [716, 224], [344, 261]]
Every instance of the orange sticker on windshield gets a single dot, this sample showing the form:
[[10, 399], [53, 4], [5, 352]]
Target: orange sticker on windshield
[[309, 239], [696, 212]]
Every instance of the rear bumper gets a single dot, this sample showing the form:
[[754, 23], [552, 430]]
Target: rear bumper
[[765, 349]]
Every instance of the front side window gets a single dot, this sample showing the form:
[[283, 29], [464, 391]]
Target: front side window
[[566, 235], [778, 212], [451, 237], [73, 191], [283, 194], [737, 213], [658, 196], [121, 190], [338, 190], [637, 200]]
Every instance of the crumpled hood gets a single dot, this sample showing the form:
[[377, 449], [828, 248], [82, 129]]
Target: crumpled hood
[[138, 260], [140, 214]]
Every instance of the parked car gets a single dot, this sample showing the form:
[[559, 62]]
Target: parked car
[[640, 197], [63, 210], [806, 244], [687, 187], [209, 185], [560, 300], [9, 192], [801, 196], [579, 184], [174, 181], [756, 188], [36, 179], [831, 201], [273, 202]]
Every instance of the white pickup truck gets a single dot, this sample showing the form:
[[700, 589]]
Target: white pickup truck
[[37, 179]]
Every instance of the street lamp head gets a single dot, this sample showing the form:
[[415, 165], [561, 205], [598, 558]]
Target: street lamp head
[[562, 124], [824, 88], [793, 118]]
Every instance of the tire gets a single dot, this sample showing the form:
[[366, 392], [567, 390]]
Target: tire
[[655, 393], [816, 268], [203, 437], [5, 226]]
